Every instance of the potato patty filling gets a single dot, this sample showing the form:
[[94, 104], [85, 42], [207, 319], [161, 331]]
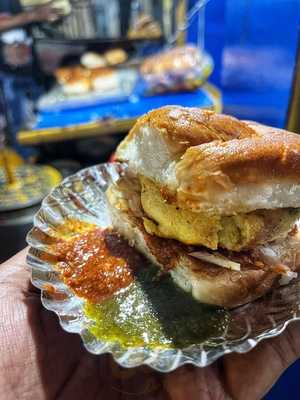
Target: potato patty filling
[[236, 232]]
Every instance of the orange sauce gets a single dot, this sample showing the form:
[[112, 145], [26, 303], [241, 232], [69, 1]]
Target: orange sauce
[[96, 264]]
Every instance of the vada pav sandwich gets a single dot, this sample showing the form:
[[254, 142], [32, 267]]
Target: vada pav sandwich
[[211, 200]]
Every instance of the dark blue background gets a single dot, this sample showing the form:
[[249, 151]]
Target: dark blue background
[[253, 43]]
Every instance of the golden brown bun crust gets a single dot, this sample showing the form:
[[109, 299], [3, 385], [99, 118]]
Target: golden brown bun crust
[[183, 127], [250, 160], [213, 166], [115, 56], [213, 161], [102, 72], [71, 74]]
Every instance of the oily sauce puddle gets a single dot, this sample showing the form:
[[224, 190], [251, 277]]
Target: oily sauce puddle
[[125, 300]]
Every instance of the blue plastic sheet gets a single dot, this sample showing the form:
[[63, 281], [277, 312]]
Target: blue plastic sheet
[[253, 43], [132, 108]]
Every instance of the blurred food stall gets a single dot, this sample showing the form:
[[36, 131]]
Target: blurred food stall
[[101, 76], [100, 65]]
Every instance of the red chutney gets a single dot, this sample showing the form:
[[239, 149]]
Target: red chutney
[[96, 264]]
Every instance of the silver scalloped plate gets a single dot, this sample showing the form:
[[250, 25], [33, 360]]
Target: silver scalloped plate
[[82, 196]]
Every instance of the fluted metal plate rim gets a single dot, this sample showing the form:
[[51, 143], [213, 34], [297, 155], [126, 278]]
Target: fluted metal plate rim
[[82, 196]]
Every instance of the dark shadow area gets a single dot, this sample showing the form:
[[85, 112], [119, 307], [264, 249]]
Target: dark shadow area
[[14, 226]]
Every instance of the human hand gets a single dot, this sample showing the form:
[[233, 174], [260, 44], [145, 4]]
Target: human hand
[[41, 361], [46, 13]]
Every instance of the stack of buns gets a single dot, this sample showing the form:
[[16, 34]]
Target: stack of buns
[[96, 73], [78, 80]]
